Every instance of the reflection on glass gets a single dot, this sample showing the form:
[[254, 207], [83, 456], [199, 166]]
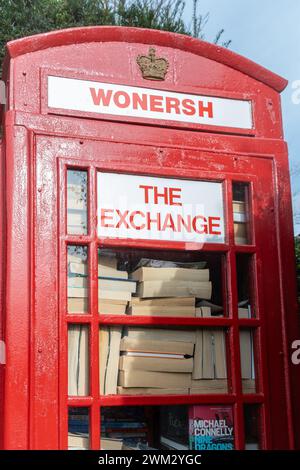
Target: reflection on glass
[[77, 202], [78, 429], [151, 284], [162, 361], [77, 281], [240, 213], [115, 290], [78, 360], [127, 427], [245, 285], [247, 361], [252, 427], [177, 427]]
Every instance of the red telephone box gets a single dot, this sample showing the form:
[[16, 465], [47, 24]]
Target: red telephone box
[[122, 145]]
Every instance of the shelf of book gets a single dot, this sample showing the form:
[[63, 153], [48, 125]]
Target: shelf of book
[[112, 266]]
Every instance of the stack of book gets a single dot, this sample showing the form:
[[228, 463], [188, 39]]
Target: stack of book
[[169, 291], [125, 425], [78, 425], [244, 309], [154, 363], [114, 288], [247, 361], [240, 222], [78, 433], [157, 361], [78, 360], [210, 367]]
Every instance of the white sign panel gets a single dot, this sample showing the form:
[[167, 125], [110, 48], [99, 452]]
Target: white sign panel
[[121, 100], [149, 208]]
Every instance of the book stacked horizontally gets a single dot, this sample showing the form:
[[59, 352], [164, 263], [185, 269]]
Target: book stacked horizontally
[[114, 288], [169, 289], [155, 363], [78, 425], [162, 361], [125, 425], [240, 222]]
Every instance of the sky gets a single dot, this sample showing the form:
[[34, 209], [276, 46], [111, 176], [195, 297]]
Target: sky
[[267, 32]]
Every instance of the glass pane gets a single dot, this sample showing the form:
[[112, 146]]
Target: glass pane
[[180, 427], [211, 427], [247, 361], [245, 285], [78, 360], [78, 429], [159, 284], [174, 427], [252, 427], [162, 361], [114, 288], [241, 213], [77, 202], [129, 427], [77, 279]]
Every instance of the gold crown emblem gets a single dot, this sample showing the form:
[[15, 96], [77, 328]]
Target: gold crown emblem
[[153, 68]]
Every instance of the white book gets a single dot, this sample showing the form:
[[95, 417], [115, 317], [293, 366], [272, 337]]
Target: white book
[[112, 367], [78, 360]]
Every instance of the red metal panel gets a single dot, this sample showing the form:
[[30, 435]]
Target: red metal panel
[[18, 288], [222, 72], [98, 152], [145, 36], [2, 271]]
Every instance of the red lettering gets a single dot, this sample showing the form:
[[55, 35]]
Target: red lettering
[[188, 107], [163, 195], [132, 222], [203, 226], [206, 109], [122, 219], [172, 103], [140, 101], [121, 103], [100, 96], [212, 225], [181, 223], [173, 195], [169, 223], [156, 103], [146, 190], [156, 221], [104, 215]]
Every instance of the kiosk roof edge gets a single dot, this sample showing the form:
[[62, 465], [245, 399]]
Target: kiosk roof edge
[[154, 37]]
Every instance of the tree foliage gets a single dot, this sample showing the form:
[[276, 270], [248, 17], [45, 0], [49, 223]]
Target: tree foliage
[[21, 18]]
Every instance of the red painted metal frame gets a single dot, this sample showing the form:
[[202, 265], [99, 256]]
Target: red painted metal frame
[[2, 271], [94, 320], [146, 36], [38, 150]]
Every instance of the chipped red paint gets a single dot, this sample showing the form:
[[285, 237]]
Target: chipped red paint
[[40, 145]]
